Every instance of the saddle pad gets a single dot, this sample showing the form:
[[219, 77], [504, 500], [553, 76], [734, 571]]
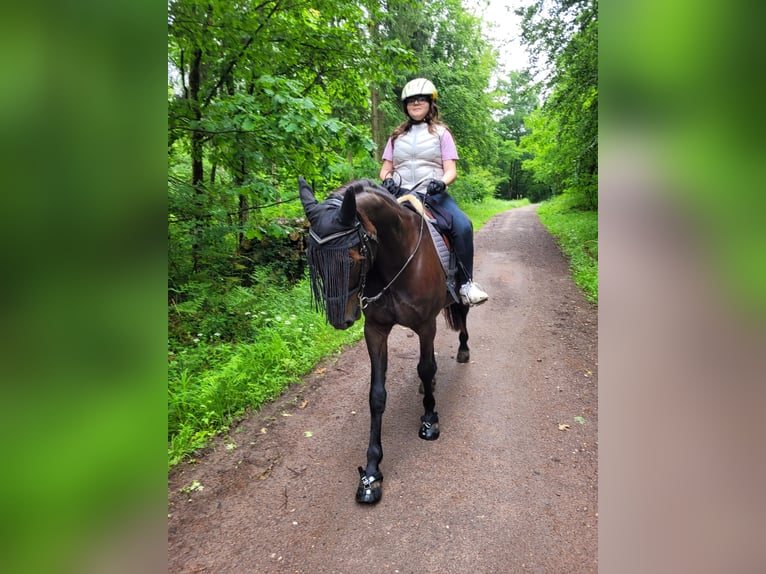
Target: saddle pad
[[441, 246], [448, 261]]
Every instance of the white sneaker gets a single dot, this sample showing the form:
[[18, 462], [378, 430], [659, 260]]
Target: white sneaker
[[472, 294]]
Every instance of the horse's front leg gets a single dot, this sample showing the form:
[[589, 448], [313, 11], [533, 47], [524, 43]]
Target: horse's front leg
[[429, 422], [369, 490]]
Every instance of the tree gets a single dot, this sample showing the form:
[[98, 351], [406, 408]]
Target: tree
[[520, 99], [566, 39], [260, 92], [255, 87], [445, 45]]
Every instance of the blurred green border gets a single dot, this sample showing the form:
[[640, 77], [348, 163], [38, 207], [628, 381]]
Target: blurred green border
[[83, 120]]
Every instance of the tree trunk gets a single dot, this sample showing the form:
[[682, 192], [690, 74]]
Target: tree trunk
[[378, 120], [243, 206], [197, 141]]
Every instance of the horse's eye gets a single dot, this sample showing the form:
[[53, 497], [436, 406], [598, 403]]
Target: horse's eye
[[356, 258]]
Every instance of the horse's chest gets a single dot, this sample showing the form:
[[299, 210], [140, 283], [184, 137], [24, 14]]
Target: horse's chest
[[395, 310]]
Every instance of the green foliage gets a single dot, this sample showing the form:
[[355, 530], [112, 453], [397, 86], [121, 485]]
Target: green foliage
[[563, 138], [519, 95], [253, 91], [474, 187], [520, 181], [576, 231], [235, 350], [546, 158]]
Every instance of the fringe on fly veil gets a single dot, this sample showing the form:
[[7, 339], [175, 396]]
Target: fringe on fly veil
[[331, 234], [329, 270]]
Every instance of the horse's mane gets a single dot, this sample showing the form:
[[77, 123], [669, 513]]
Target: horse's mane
[[364, 185]]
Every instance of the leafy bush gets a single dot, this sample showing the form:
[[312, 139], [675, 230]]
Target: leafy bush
[[474, 187], [234, 350]]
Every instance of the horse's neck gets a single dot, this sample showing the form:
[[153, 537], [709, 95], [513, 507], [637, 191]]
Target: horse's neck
[[395, 227]]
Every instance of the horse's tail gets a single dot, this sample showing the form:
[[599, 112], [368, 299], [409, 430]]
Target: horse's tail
[[455, 316]]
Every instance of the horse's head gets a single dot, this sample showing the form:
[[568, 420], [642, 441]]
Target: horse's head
[[339, 254]]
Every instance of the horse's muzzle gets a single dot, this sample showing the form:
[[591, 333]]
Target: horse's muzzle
[[344, 325], [351, 317]]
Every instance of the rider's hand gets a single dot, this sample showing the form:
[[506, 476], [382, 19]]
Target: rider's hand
[[435, 187], [390, 185]]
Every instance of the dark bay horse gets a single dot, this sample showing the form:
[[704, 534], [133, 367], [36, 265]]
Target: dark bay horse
[[369, 254]]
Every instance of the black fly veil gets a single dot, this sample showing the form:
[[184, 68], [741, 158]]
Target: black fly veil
[[329, 270], [334, 230]]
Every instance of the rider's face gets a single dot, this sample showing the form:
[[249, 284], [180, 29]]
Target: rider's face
[[417, 110]]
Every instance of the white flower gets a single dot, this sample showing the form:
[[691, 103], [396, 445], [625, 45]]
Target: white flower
[[216, 334]]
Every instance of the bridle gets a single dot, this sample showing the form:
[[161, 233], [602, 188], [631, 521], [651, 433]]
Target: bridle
[[368, 249]]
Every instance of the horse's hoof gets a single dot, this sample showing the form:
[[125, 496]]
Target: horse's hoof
[[463, 356], [429, 431], [370, 488]]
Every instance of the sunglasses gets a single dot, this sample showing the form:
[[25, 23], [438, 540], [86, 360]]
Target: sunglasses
[[417, 100]]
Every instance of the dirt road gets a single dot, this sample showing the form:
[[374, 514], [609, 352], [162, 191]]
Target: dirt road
[[510, 486]]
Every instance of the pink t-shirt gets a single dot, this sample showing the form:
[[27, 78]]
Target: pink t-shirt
[[447, 143]]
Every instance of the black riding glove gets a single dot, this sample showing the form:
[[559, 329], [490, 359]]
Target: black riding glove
[[435, 187], [390, 185]]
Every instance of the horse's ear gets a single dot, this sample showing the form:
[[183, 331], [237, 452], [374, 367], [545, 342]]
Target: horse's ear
[[348, 209], [307, 195]]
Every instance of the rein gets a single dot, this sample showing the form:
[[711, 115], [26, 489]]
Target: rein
[[365, 301]]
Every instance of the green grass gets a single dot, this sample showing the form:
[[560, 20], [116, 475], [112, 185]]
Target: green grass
[[480, 213], [576, 232], [276, 339]]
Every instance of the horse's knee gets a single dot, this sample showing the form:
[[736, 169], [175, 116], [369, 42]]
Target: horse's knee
[[427, 370], [377, 399]]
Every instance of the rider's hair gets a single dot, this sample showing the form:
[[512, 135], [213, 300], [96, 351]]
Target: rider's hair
[[432, 119]]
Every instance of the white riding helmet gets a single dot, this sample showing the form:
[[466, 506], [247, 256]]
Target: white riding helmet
[[419, 87]]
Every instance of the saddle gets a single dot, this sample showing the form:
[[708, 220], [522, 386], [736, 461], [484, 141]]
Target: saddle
[[440, 237]]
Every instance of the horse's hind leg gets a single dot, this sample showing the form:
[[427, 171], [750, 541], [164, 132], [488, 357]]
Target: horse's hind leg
[[429, 422], [461, 322]]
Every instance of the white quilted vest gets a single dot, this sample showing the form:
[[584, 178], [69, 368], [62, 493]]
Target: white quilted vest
[[418, 156]]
